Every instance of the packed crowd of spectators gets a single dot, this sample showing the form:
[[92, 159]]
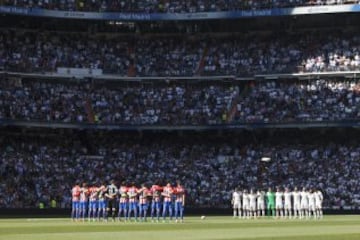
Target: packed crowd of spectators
[[167, 6], [282, 54], [317, 100], [243, 55], [180, 103], [41, 101], [39, 169], [39, 52], [169, 57], [172, 105], [141, 104]]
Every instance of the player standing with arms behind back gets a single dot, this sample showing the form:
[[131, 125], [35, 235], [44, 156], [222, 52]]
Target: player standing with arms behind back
[[312, 210], [236, 203], [318, 203], [261, 203], [246, 204], [252, 203], [297, 207], [287, 202], [304, 204], [279, 203]]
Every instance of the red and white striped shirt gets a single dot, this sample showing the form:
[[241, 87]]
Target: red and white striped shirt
[[123, 194], [156, 192], [132, 193], [75, 192], [180, 192], [84, 195], [143, 197], [167, 193], [93, 193]]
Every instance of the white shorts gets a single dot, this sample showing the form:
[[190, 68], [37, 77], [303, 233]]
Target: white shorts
[[318, 206], [246, 207], [296, 206], [312, 207], [278, 205], [304, 205], [261, 205], [237, 205], [287, 206], [253, 206]]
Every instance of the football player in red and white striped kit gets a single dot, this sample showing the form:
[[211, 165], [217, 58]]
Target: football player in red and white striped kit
[[75, 211], [133, 201], [167, 193], [84, 198], [144, 194], [123, 201], [179, 201], [156, 201], [93, 202]]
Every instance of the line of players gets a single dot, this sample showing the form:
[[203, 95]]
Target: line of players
[[298, 204], [127, 202]]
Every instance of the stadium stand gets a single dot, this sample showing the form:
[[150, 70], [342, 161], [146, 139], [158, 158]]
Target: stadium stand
[[177, 103], [244, 55], [168, 6], [214, 81], [208, 165]]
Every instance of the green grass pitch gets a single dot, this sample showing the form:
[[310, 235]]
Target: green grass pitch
[[329, 228]]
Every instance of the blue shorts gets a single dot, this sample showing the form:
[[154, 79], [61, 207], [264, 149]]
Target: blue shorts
[[101, 204], [93, 204], [83, 205], [179, 206], [133, 205], [167, 205], [75, 205], [143, 206], [123, 206], [156, 205]]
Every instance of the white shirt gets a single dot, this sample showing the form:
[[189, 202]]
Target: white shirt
[[260, 196], [304, 197], [252, 197], [311, 197], [236, 197], [245, 199], [318, 197], [287, 196], [279, 197], [296, 196]]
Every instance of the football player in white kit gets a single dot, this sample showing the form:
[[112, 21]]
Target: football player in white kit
[[252, 203], [297, 208], [236, 203], [287, 202], [260, 203], [311, 197], [318, 203], [245, 202], [279, 203], [304, 204]]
